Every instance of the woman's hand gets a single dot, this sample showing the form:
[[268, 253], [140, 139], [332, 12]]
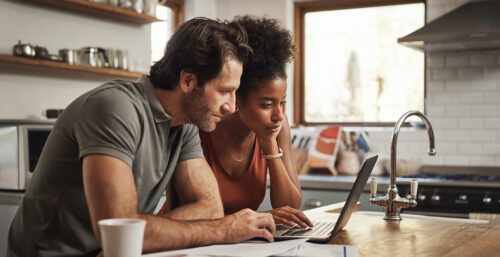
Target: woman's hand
[[290, 216]]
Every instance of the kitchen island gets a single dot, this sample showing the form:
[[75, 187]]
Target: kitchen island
[[418, 235]]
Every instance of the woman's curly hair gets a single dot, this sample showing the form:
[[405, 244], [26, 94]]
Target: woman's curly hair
[[273, 49]]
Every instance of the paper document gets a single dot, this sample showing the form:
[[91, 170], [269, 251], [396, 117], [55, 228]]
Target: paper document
[[246, 249], [314, 250], [298, 248]]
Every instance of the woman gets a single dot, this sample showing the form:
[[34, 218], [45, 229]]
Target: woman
[[256, 138]]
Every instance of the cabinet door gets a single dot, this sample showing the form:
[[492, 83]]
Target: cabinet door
[[7, 214]]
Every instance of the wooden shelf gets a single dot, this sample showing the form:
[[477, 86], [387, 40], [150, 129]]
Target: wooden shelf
[[65, 68], [101, 10]]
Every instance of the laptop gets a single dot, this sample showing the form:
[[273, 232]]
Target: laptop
[[324, 231]]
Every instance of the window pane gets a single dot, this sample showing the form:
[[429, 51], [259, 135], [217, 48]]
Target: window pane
[[355, 71], [160, 32]]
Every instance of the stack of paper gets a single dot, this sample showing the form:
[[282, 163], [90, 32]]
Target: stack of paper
[[298, 247]]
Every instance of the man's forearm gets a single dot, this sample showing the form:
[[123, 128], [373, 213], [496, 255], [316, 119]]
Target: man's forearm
[[164, 234], [202, 209]]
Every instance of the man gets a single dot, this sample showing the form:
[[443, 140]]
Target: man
[[114, 149]]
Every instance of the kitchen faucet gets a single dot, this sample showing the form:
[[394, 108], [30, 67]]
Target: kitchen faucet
[[392, 202]]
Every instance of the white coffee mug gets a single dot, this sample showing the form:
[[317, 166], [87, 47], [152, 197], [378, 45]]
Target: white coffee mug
[[122, 237]]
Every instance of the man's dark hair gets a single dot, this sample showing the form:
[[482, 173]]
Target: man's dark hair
[[200, 46], [273, 48]]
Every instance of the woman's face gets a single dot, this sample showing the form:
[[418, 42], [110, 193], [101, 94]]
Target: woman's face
[[263, 110]]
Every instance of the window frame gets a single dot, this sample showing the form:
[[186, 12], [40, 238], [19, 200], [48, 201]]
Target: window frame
[[300, 10], [178, 13]]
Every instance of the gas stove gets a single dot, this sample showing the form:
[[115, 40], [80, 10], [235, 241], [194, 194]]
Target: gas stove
[[458, 177], [454, 195]]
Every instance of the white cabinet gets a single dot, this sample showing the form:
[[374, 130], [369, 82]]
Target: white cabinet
[[7, 213]]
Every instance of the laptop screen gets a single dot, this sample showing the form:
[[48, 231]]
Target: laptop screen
[[356, 191]]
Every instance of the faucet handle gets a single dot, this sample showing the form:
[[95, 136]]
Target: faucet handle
[[373, 187], [413, 188]]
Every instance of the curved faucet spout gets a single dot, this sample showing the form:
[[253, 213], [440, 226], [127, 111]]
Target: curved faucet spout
[[432, 148]]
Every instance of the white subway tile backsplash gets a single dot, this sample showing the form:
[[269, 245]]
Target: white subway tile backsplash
[[470, 97], [453, 61], [459, 160], [492, 72], [470, 72], [483, 136], [470, 123], [457, 136], [483, 59], [445, 123], [491, 98], [435, 61], [457, 85], [492, 123], [482, 161], [435, 86], [469, 148], [445, 98], [455, 110], [432, 160], [444, 73], [491, 149], [483, 85], [484, 110], [446, 148], [435, 111]]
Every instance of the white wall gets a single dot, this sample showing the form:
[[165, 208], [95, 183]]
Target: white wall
[[26, 94]]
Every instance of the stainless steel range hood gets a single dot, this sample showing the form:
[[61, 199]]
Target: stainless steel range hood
[[472, 26]]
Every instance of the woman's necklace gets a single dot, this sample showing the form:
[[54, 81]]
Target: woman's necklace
[[234, 158]]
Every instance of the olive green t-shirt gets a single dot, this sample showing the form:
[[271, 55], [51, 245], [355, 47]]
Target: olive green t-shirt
[[122, 119]]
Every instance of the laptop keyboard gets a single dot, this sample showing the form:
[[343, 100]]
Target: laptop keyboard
[[319, 229]]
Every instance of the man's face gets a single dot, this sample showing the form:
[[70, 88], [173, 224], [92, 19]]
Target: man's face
[[204, 107]]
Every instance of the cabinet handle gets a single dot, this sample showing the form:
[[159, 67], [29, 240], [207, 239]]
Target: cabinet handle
[[313, 203]]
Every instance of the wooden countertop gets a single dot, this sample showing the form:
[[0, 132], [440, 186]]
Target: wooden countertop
[[420, 237]]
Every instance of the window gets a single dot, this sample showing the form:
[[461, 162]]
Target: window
[[350, 68], [172, 12]]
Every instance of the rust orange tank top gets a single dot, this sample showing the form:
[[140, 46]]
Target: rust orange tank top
[[247, 191]]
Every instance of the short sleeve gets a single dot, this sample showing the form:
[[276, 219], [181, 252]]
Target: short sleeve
[[191, 145], [108, 124]]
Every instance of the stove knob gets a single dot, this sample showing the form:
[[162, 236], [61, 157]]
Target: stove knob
[[421, 198], [436, 198], [487, 200]]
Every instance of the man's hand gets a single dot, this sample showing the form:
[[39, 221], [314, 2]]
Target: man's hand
[[290, 216], [247, 224]]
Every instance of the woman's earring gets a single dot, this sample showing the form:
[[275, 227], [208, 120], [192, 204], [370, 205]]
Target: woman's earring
[[237, 108]]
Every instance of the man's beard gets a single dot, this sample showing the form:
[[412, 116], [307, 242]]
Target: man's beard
[[197, 111]]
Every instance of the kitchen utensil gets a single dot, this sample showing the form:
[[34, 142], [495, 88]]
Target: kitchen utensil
[[363, 141], [41, 52], [122, 56], [112, 58], [150, 7], [127, 4], [137, 6], [68, 55], [52, 113], [25, 50], [114, 2], [93, 56], [348, 163]]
